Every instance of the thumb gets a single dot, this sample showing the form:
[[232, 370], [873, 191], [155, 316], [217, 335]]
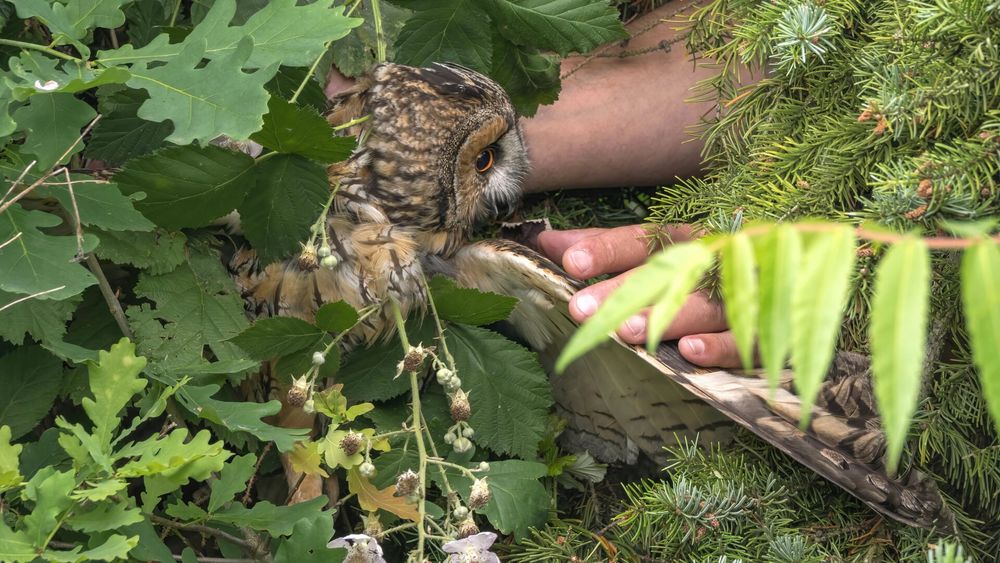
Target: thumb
[[711, 350]]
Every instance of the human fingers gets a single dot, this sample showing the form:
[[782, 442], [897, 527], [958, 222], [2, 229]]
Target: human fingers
[[711, 350], [554, 243], [699, 314], [613, 250]]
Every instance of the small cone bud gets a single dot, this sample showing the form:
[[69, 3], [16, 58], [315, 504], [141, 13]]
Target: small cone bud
[[351, 443], [414, 357], [467, 528], [406, 483], [307, 258], [298, 393], [460, 409], [479, 495]]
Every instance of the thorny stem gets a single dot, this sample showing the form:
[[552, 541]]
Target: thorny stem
[[417, 433], [395, 529], [440, 327], [42, 48], [379, 32], [309, 75], [465, 470]]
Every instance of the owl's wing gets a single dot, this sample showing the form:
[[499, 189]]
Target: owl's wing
[[620, 400]]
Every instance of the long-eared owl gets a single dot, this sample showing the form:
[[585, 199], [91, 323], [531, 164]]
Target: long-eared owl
[[439, 149]]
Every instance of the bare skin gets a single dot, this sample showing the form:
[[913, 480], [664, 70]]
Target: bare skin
[[622, 121]]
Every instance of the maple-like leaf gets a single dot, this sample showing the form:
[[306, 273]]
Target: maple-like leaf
[[37, 262], [372, 498], [204, 103]]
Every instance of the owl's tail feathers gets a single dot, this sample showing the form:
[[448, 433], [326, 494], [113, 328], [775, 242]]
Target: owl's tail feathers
[[843, 442]]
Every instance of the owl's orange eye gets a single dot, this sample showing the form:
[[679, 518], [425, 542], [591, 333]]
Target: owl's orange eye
[[484, 161]]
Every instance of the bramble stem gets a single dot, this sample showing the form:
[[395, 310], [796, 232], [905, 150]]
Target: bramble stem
[[465, 470], [417, 432]]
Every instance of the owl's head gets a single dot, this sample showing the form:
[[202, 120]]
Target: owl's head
[[442, 148]]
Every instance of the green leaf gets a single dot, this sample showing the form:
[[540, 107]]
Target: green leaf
[[897, 334], [287, 81], [157, 252], [30, 378], [370, 374], [518, 500], [508, 390], [531, 79], [187, 186], [104, 516], [681, 279], [277, 336], [778, 254], [562, 26], [53, 123], [44, 319], [241, 416], [291, 129], [232, 480], [355, 54], [15, 546], [99, 203], [468, 306], [121, 134], [818, 301], [37, 262], [49, 490], [644, 286], [308, 539], [336, 317], [739, 291], [288, 198], [35, 69], [203, 103], [71, 20], [115, 548], [455, 31], [10, 474], [281, 33], [114, 380], [277, 520], [980, 272]]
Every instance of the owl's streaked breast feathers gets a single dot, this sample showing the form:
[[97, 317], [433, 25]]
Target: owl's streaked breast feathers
[[404, 209]]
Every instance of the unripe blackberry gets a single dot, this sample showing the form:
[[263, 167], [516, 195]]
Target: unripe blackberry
[[460, 409], [407, 483], [479, 495], [467, 528], [414, 357], [299, 392], [351, 443]]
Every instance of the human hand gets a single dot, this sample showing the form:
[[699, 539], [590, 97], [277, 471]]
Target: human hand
[[584, 253]]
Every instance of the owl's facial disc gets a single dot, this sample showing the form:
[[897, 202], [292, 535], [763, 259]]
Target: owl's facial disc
[[490, 169]]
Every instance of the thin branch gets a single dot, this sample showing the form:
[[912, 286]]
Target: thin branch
[[204, 530], [42, 48], [214, 559], [32, 296], [20, 177], [11, 239], [109, 296], [78, 227], [253, 476]]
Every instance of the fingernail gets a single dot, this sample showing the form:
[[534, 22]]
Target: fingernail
[[695, 346], [636, 325], [586, 304], [581, 260]]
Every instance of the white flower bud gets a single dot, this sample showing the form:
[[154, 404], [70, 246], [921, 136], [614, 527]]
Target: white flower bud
[[460, 512], [367, 470], [319, 358]]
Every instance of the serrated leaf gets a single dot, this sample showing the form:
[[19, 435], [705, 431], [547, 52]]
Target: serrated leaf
[[778, 255], [187, 186], [641, 288], [49, 489], [205, 102], [53, 123], [44, 319], [240, 416], [10, 473], [980, 272], [288, 197], [31, 378], [739, 291], [277, 520], [372, 498], [356, 54], [121, 134], [277, 336], [281, 33], [518, 500], [530, 78], [308, 540], [232, 480], [291, 129], [681, 278], [370, 374], [455, 31], [287, 81], [897, 334], [114, 380], [562, 26], [99, 203], [336, 317], [468, 306], [37, 262], [818, 301], [508, 390], [157, 252]]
